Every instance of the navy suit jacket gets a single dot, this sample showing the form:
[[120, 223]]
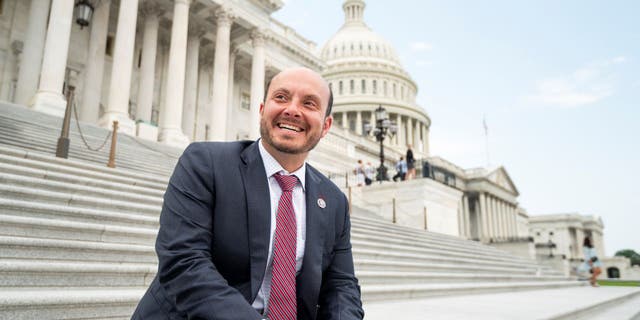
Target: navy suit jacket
[[214, 234]]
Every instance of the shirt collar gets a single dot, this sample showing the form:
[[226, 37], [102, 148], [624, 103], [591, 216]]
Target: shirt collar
[[271, 166]]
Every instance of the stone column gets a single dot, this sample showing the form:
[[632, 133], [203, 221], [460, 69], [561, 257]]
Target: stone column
[[359, 123], [410, 132], [49, 98], [119, 90], [400, 134], [345, 121], [171, 115], [503, 220], [467, 218], [372, 119], [233, 54], [150, 12], [514, 219], [191, 81], [425, 140], [29, 72], [224, 19], [484, 217], [257, 82], [92, 92]]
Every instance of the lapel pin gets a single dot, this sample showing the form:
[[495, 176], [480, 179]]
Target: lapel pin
[[321, 203]]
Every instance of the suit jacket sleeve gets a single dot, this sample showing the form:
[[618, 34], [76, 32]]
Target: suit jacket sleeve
[[340, 292], [186, 271]]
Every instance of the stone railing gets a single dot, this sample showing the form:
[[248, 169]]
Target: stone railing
[[288, 33]]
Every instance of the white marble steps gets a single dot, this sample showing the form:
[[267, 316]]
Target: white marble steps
[[28, 273], [64, 212], [37, 160], [367, 277], [14, 247], [68, 303], [80, 152], [80, 187], [77, 178], [623, 308], [362, 263], [412, 291], [43, 228]]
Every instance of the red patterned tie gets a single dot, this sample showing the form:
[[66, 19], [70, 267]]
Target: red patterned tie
[[282, 300]]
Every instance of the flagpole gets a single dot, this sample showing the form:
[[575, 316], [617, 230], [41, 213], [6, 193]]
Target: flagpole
[[486, 138]]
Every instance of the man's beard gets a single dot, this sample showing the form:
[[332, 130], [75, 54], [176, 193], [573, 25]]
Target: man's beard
[[311, 142]]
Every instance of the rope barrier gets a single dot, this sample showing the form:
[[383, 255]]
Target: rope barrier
[[75, 115]]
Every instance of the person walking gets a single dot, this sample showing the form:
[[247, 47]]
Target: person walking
[[401, 170], [359, 172], [591, 261], [411, 168]]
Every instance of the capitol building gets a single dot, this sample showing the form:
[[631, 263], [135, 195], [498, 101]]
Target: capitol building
[[171, 72]]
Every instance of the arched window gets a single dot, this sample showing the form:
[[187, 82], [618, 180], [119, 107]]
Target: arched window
[[352, 87], [340, 87], [363, 86], [384, 88], [375, 87]]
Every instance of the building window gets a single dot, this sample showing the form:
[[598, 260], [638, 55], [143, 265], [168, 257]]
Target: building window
[[402, 92], [340, 87], [384, 88], [245, 101], [375, 87], [394, 90], [364, 86], [352, 86]]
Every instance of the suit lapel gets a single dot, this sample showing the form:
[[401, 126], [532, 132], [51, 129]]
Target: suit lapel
[[316, 220], [256, 190]]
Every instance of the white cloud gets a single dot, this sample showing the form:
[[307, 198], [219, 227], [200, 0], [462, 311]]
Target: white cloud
[[584, 86], [419, 46]]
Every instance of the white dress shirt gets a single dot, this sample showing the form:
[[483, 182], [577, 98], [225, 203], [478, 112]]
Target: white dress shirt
[[271, 167]]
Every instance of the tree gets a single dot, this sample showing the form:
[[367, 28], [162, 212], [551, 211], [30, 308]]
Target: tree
[[634, 256]]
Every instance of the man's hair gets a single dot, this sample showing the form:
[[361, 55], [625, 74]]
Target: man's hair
[[329, 105], [587, 242]]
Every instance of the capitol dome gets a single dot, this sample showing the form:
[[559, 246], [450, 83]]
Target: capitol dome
[[364, 71]]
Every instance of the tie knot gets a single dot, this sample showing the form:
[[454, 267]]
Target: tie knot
[[286, 182]]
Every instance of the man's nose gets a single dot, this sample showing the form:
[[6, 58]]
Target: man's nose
[[293, 109]]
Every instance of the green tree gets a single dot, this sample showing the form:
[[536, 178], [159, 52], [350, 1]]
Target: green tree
[[634, 256]]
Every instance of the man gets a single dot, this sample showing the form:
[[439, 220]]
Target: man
[[235, 242], [401, 170]]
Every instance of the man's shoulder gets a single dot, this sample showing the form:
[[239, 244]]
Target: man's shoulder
[[324, 182], [219, 147]]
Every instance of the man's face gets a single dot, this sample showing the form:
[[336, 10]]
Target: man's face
[[293, 115]]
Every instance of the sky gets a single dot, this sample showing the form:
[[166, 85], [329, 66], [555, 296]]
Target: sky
[[557, 82]]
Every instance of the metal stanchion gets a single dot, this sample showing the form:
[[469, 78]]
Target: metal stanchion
[[62, 149], [394, 210], [112, 151], [425, 218]]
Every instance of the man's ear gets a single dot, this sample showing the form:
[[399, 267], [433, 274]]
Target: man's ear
[[261, 107], [328, 121]]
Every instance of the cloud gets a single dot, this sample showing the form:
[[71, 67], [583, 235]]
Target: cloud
[[419, 46], [584, 86]]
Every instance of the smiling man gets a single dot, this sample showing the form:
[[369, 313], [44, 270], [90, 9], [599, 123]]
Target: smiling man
[[248, 230]]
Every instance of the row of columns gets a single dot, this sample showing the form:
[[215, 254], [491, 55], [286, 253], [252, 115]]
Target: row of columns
[[498, 218], [410, 131], [178, 107]]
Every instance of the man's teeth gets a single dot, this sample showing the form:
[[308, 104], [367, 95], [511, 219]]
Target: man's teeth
[[289, 127]]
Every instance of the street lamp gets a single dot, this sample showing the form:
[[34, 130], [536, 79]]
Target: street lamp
[[383, 128], [82, 12]]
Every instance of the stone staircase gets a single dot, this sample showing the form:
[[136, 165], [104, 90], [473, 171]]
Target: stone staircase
[[76, 237]]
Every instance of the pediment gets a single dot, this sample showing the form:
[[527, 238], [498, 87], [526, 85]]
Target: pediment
[[500, 177]]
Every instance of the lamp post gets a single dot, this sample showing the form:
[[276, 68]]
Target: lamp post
[[383, 128], [82, 12]]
